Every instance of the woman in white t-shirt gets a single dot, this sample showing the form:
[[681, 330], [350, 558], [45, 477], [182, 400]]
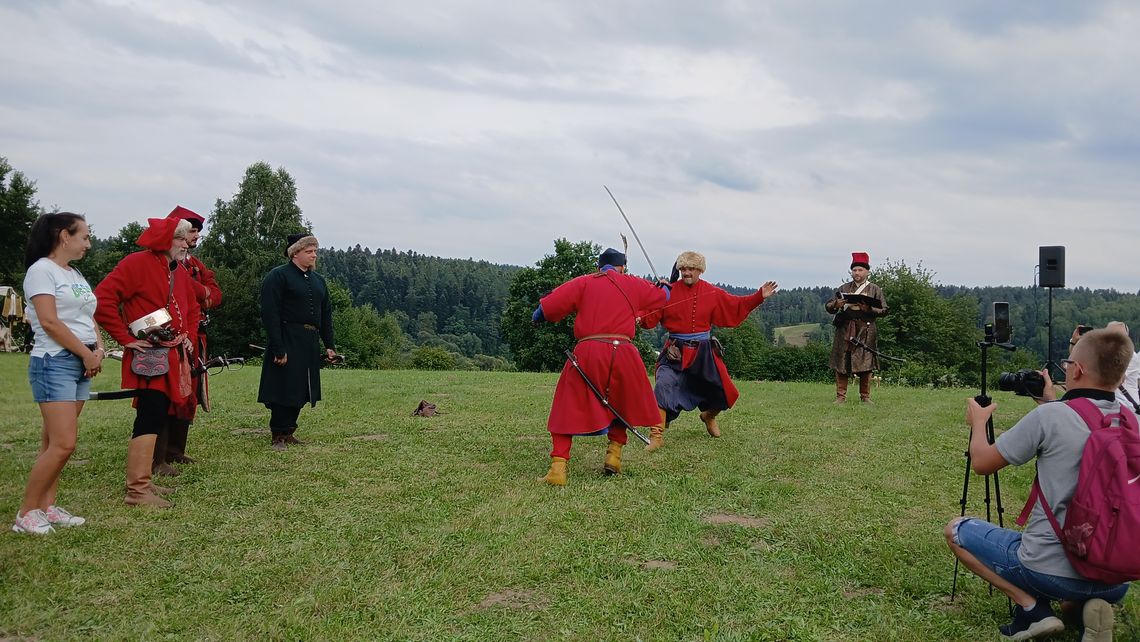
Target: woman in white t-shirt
[[68, 351]]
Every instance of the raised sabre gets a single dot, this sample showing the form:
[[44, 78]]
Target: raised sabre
[[635, 237]]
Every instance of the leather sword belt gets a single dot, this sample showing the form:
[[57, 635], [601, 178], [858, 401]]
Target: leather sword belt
[[606, 338]]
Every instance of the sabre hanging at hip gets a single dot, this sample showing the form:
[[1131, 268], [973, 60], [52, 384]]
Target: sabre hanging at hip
[[602, 399], [635, 237]]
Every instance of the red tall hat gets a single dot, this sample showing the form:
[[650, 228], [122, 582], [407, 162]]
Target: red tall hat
[[196, 219], [160, 235], [861, 259]]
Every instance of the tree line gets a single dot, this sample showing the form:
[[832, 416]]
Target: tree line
[[399, 309]]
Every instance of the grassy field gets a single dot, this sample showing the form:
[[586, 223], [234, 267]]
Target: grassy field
[[806, 521], [796, 335]]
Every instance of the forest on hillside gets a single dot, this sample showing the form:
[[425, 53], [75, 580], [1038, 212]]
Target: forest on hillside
[[401, 309]]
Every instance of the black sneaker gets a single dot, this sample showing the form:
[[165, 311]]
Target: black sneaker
[[1033, 623]]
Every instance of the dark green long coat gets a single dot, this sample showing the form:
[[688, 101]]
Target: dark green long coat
[[297, 316]]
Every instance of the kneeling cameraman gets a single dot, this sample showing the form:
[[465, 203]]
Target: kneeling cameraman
[[1031, 567]]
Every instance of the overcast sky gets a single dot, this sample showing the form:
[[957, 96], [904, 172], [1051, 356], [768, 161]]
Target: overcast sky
[[775, 137]]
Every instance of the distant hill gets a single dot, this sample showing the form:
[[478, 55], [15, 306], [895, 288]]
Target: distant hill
[[464, 299]]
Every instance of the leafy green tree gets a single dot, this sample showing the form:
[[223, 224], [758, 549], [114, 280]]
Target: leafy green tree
[[18, 210], [432, 358], [744, 347], [368, 339], [105, 254], [539, 347], [247, 237], [935, 333]]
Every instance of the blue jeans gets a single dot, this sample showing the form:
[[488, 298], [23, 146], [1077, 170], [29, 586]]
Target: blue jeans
[[58, 377], [997, 548]]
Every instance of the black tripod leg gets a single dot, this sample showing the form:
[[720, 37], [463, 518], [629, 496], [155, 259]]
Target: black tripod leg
[[965, 490]]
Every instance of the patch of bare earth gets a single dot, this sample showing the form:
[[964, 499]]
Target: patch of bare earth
[[77, 462], [376, 437], [862, 591], [512, 599], [739, 520], [761, 545], [943, 603], [710, 541], [652, 565]]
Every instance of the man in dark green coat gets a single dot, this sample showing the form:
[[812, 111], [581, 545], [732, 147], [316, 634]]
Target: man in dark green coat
[[297, 316]]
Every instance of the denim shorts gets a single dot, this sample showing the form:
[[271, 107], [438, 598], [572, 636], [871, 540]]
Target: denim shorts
[[58, 378], [997, 548]]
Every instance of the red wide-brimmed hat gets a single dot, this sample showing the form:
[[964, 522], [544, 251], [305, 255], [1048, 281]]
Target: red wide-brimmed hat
[[861, 259], [196, 219]]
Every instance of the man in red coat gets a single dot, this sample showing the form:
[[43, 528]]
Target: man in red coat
[[606, 303], [171, 445], [142, 285], [690, 370]]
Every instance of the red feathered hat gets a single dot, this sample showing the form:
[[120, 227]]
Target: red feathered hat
[[196, 219], [861, 259], [160, 235]]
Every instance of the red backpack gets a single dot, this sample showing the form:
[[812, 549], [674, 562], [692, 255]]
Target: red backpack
[[1102, 523]]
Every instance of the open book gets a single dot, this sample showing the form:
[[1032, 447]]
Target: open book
[[855, 299]]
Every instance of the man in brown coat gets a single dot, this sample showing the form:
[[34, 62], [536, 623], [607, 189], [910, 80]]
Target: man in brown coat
[[856, 337]]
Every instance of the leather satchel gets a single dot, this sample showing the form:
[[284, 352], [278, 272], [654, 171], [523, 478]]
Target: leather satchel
[[151, 362]]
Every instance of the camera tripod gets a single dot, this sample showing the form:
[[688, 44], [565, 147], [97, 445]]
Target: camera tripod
[[983, 400]]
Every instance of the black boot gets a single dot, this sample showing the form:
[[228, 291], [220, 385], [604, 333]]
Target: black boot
[[159, 465], [178, 430]]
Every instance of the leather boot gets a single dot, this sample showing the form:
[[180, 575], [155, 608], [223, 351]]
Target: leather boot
[[840, 387], [140, 452], [613, 458], [159, 465], [709, 417], [865, 387], [557, 474], [178, 430], [657, 434]]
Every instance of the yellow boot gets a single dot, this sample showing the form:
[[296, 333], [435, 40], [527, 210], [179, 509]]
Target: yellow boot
[[557, 474], [709, 417], [657, 434], [613, 458]]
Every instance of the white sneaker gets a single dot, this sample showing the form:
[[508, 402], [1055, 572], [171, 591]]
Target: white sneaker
[[61, 517], [34, 521]]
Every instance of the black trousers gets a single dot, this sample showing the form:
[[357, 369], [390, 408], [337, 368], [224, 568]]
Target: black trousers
[[283, 419], [150, 413]]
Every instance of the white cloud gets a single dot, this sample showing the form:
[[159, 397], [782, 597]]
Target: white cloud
[[774, 138]]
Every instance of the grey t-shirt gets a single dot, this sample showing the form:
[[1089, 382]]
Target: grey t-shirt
[[1055, 434]]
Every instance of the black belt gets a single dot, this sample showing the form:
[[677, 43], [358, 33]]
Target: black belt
[[307, 326]]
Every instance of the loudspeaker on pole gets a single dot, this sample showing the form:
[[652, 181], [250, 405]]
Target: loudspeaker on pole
[[1052, 263]]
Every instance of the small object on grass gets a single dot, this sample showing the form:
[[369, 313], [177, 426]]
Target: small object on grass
[[425, 409]]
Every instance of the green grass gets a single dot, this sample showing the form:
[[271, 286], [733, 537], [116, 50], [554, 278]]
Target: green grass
[[796, 335], [387, 526]]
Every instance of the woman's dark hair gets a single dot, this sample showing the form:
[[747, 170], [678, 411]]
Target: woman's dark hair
[[45, 234]]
